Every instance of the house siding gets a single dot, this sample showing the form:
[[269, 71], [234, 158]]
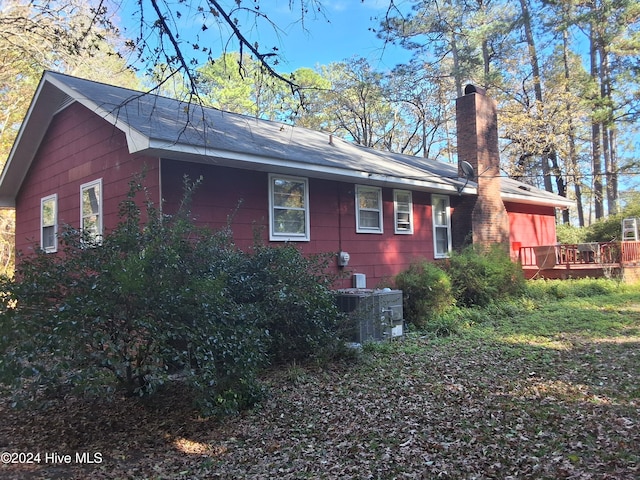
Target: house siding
[[530, 226], [241, 196], [78, 147]]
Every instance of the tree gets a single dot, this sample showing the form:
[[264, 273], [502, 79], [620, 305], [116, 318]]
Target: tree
[[357, 98], [65, 35], [230, 83], [611, 27], [472, 34], [231, 25], [309, 110], [534, 65], [421, 96]]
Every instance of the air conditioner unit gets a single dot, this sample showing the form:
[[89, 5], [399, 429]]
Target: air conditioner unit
[[373, 315]]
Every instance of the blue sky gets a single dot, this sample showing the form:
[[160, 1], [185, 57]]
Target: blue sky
[[341, 33]]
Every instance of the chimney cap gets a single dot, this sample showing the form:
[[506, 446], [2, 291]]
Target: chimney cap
[[473, 89]]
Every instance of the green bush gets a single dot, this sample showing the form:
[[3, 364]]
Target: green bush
[[605, 230], [568, 234], [301, 314], [610, 228], [482, 276], [158, 298], [446, 324], [426, 292]]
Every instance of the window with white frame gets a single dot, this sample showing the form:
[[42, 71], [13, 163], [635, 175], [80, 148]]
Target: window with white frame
[[91, 210], [368, 209], [441, 225], [288, 208], [49, 223], [403, 211]]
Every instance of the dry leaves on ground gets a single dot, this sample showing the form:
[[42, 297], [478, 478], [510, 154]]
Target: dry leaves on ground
[[460, 409]]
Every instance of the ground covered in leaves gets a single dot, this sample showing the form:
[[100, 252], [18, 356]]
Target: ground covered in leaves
[[548, 391]]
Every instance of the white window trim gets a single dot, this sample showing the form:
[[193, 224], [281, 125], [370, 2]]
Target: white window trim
[[84, 187], [436, 225], [289, 237], [378, 190], [53, 249], [399, 231]]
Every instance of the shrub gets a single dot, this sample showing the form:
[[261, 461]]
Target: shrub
[[605, 230], [157, 298], [610, 228], [569, 234], [482, 276], [426, 292], [301, 316], [446, 324]]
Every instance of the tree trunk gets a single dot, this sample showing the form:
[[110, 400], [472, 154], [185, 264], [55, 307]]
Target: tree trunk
[[456, 65], [571, 134], [596, 135], [613, 180], [486, 60], [537, 88], [607, 141]]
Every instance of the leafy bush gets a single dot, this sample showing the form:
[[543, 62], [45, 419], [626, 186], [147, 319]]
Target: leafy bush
[[159, 298], [569, 234], [605, 230], [301, 314], [610, 228], [482, 276], [426, 292]]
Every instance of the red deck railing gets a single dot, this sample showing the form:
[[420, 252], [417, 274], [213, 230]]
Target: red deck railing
[[567, 255], [630, 253]]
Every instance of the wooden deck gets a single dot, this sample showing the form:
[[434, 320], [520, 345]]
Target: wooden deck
[[595, 260]]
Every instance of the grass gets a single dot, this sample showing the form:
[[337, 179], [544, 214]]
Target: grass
[[545, 387]]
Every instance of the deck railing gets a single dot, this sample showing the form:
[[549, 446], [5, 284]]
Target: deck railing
[[566, 255], [630, 253]]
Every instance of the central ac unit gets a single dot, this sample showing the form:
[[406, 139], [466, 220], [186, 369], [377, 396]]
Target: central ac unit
[[373, 315]]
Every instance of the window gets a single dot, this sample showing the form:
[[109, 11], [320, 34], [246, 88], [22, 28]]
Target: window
[[91, 210], [288, 208], [403, 211], [368, 209], [441, 226], [49, 223]]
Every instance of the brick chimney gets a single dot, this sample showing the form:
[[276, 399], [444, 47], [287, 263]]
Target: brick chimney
[[477, 125]]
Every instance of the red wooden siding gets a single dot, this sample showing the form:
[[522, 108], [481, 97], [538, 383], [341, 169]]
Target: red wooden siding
[[78, 147], [530, 226], [244, 195]]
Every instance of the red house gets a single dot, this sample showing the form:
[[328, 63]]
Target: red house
[[81, 142]]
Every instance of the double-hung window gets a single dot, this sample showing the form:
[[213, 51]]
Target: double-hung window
[[441, 226], [288, 208], [49, 223], [403, 211], [91, 211], [368, 209]]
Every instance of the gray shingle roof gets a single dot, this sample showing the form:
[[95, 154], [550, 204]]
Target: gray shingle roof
[[169, 128]]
